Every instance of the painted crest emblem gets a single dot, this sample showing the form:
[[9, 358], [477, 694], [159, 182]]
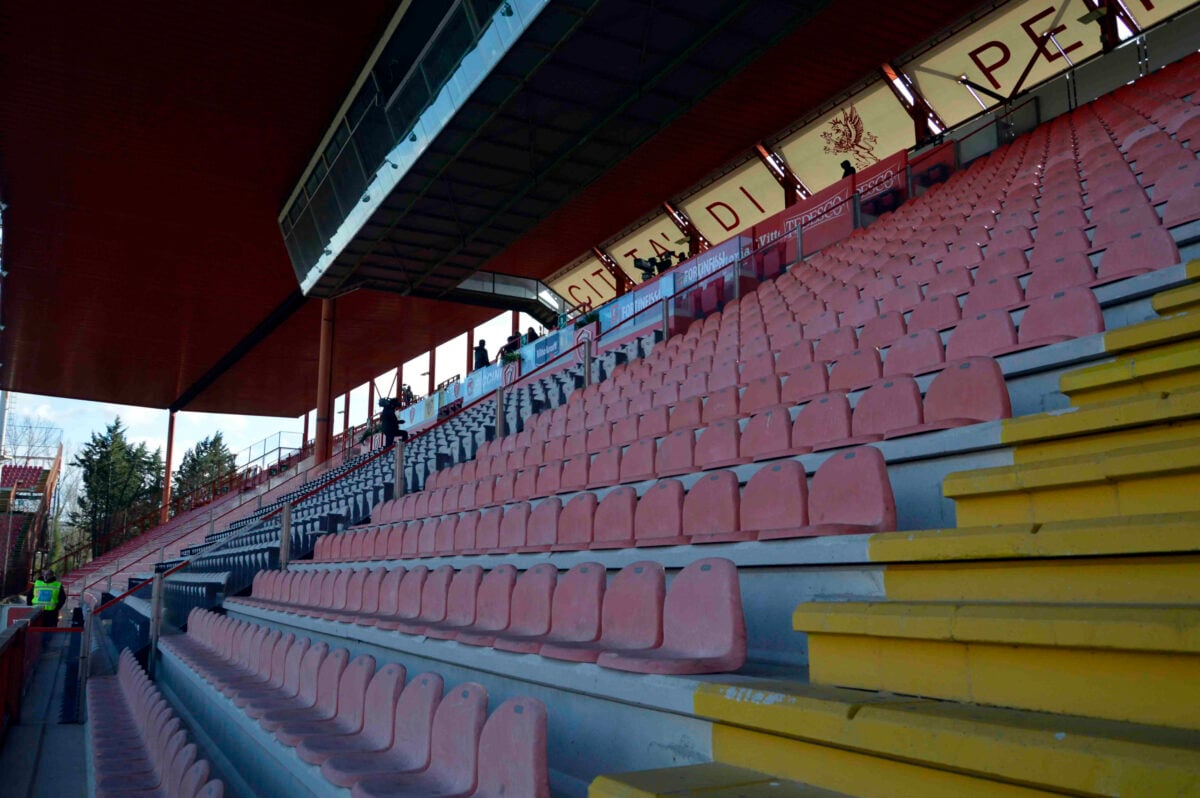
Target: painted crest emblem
[[848, 136]]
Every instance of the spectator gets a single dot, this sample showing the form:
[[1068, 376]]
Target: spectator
[[512, 345], [481, 355], [47, 594], [389, 424], [848, 169], [531, 336]]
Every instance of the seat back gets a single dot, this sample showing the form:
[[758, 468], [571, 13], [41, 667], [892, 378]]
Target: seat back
[[493, 605], [434, 594], [631, 615], [702, 613], [408, 597], [614, 517], [352, 692], [575, 521], [512, 752], [887, 405], [852, 488], [329, 677], [973, 390], [542, 529], [413, 728], [454, 743], [532, 598], [776, 497], [379, 706], [825, 418], [575, 609], [513, 527], [659, 513]]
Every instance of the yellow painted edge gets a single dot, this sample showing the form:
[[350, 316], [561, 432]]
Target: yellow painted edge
[[1177, 357], [1152, 534], [1121, 627], [1133, 461], [1151, 333], [1192, 268], [1055, 752], [1177, 299], [1140, 411]]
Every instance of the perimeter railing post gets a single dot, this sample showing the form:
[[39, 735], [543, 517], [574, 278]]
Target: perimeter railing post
[[285, 536]]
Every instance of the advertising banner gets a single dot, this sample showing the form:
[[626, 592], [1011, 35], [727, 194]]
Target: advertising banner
[[744, 197], [863, 131], [995, 53], [481, 381], [616, 314], [886, 175], [826, 217]]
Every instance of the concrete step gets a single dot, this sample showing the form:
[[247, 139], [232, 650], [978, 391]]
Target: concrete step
[[876, 744], [1179, 299], [1161, 368], [710, 780], [1161, 477], [1085, 430], [1118, 662]]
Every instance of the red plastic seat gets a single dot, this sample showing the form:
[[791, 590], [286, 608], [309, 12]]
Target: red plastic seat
[[718, 446], [704, 628], [453, 752], [513, 527], [408, 599], [613, 521], [1067, 314], [1141, 251], [851, 494], [512, 752], [721, 405], [774, 503], [798, 353], [655, 421], [379, 715], [464, 532], [856, 370], [982, 334], [934, 313], [461, 600], [605, 469], [575, 523], [889, 404], [487, 532], [530, 610], [760, 394], [915, 353], [882, 331], [1001, 263], [993, 294], [574, 474], [836, 344], [316, 700], [542, 526], [630, 616], [575, 609], [637, 460], [676, 454], [968, 392], [348, 706], [1065, 271], [768, 435], [824, 419], [710, 510], [493, 607], [658, 519], [757, 367]]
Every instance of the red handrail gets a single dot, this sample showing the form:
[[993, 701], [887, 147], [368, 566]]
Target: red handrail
[[138, 587]]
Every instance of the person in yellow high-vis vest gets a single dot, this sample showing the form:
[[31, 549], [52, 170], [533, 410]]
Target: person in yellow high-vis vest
[[47, 594]]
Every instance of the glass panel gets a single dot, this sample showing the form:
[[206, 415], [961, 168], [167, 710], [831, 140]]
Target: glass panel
[[326, 212], [451, 45]]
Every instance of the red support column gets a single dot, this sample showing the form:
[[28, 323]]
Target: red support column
[[166, 494], [400, 380], [345, 412], [432, 370], [516, 323], [325, 383], [470, 351], [304, 438], [370, 402]]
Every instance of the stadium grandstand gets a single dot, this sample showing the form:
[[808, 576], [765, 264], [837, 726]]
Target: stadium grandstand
[[859, 455]]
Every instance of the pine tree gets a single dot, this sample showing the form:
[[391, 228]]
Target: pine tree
[[206, 462], [121, 483]]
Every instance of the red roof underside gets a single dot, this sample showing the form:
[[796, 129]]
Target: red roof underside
[[146, 148]]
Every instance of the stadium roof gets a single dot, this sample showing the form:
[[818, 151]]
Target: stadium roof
[[146, 150]]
